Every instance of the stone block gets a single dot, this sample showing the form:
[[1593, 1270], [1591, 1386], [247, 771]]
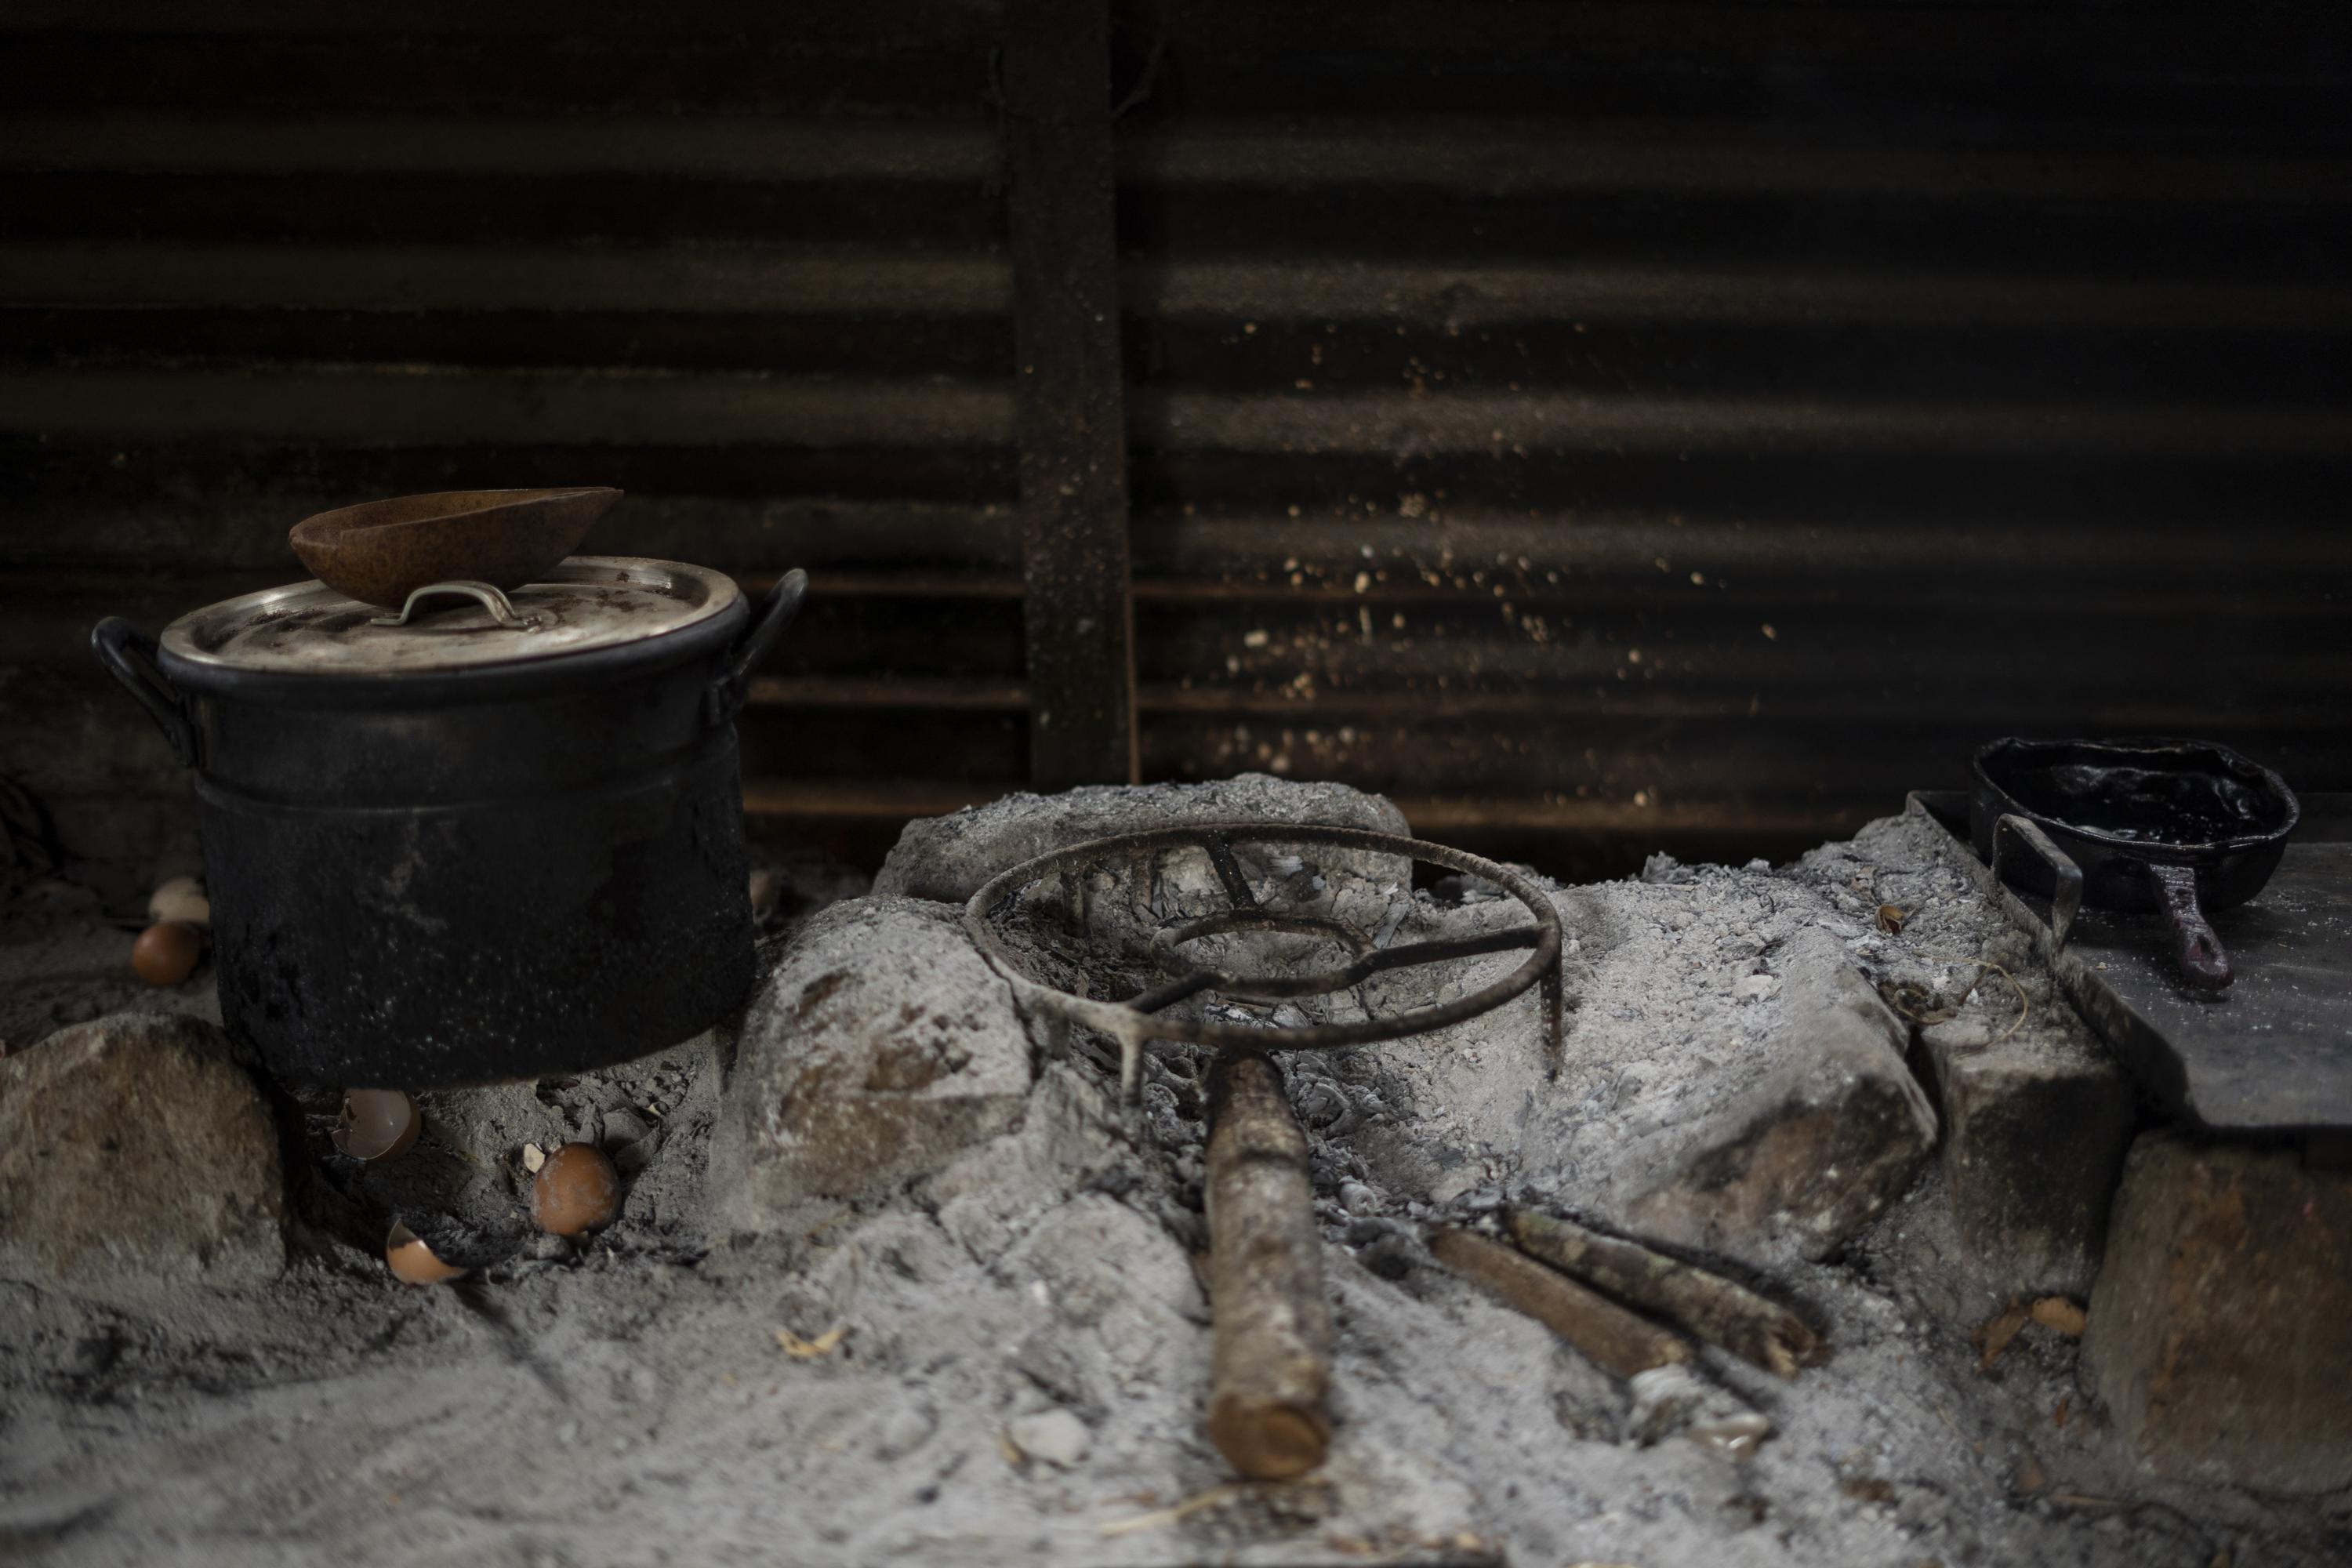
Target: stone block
[[1729, 1079], [2035, 1126], [2221, 1329], [952, 858], [1813, 1150], [136, 1156], [991, 1195], [878, 1048]]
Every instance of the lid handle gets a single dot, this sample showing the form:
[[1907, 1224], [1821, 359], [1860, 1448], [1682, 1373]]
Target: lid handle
[[490, 598], [732, 686]]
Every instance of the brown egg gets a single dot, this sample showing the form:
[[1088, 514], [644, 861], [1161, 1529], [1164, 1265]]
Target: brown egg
[[166, 954], [411, 1260], [377, 1124], [577, 1191]]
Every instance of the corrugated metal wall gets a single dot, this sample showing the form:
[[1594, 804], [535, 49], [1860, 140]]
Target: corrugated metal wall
[[1600, 425]]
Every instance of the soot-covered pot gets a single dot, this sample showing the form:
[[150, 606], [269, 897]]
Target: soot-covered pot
[[478, 845]]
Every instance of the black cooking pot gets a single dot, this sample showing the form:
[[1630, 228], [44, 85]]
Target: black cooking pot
[[2182, 828], [500, 840]]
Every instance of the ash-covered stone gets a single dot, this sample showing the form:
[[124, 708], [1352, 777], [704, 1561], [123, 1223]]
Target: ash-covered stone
[[1729, 1080], [879, 1047], [1816, 1148], [136, 1157], [2036, 1113], [952, 858], [2035, 1126], [989, 1195], [2219, 1336]]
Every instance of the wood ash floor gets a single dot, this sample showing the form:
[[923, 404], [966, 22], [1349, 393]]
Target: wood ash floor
[[995, 1349]]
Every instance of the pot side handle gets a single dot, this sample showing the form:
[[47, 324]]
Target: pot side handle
[[2066, 900], [726, 693], [115, 640]]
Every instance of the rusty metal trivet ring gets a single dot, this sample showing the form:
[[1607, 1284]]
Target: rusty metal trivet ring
[[1137, 1019]]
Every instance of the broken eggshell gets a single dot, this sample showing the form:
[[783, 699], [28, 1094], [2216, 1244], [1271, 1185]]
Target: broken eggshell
[[179, 898], [576, 1191], [377, 1124], [1674, 1398], [767, 890], [410, 1259]]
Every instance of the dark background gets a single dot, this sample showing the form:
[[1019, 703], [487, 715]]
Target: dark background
[[1497, 375]]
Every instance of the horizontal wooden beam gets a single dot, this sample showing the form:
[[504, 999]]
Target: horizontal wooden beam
[[720, 278], [1465, 157], [1429, 814], [397, 406], [745, 147], [407, 405]]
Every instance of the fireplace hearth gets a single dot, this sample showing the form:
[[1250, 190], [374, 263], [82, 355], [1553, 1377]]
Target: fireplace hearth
[[898, 1260]]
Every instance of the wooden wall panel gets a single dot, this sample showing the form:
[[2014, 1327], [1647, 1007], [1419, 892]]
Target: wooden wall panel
[[1604, 425]]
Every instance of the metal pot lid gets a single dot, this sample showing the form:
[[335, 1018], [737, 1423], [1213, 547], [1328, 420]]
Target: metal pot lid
[[590, 602]]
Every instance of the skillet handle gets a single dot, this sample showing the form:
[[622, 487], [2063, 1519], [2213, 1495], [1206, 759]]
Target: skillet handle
[[726, 693], [2066, 902], [115, 640], [2203, 962]]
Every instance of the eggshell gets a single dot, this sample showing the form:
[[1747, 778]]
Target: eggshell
[[767, 890], [377, 1124], [410, 1259], [577, 1191], [179, 898]]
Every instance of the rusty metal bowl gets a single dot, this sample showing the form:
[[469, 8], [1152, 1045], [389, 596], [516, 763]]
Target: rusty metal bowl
[[381, 552]]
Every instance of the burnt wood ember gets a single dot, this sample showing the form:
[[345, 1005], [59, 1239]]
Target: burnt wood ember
[[1270, 1363], [1614, 1339], [1721, 1311]]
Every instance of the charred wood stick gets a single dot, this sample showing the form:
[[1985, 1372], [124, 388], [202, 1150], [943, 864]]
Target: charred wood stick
[[1718, 1311], [1270, 1362], [1611, 1337]]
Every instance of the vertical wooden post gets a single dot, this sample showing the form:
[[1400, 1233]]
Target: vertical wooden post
[[1060, 198]]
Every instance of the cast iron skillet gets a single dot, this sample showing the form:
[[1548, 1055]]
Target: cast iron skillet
[[2181, 828]]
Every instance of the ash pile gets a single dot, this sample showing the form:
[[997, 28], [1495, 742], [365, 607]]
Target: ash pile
[[1824, 1231]]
